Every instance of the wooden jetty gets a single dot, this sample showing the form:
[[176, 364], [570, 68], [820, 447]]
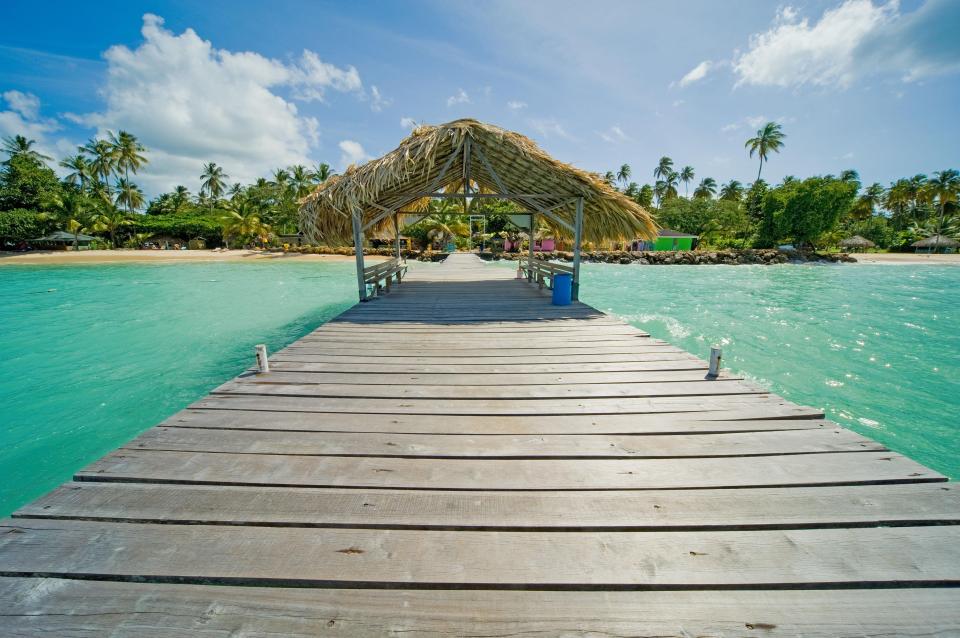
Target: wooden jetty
[[461, 457]]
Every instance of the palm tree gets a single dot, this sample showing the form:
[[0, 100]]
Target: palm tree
[[623, 175], [443, 226], [111, 221], [81, 170], [72, 209], [610, 178], [129, 194], [301, 180], [322, 173], [867, 203], [664, 168], [732, 191], [769, 138], [707, 189], [243, 220], [102, 160], [179, 198], [645, 196], [127, 152], [213, 182], [850, 175], [686, 176], [945, 185], [20, 146], [666, 188]]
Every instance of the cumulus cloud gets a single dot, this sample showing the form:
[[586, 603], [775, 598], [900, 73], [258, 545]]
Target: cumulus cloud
[[516, 105], [190, 103], [377, 101], [351, 152], [696, 74], [613, 135], [852, 40], [22, 117], [460, 97], [549, 127], [751, 122]]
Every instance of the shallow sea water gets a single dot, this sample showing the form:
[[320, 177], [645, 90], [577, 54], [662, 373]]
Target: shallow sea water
[[93, 355]]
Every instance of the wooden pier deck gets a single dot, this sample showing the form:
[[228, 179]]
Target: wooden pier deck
[[463, 458]]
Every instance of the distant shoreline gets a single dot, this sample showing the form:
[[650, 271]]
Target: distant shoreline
[[60, 258]]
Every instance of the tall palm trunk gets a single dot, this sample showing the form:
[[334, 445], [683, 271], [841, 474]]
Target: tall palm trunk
[[760, 169]]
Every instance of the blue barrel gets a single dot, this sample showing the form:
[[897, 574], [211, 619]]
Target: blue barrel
[[562, 289]]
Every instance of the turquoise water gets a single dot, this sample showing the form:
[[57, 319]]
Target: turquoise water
[[93, 355], [876, 346]]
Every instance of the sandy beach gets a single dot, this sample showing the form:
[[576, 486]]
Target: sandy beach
[[58, 257], [906, 258]]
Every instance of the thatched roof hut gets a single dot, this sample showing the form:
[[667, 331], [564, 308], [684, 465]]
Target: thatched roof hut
[[936, 242], [857, 242], [487, 160]]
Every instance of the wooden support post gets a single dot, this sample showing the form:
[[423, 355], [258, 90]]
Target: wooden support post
[[396, 232], [577, 237], [263, 364], [533, 221], [358, 251], [716, 356]]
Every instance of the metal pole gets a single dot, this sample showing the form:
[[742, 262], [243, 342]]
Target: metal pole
[[533, 221], [358, 251], [577, 236]]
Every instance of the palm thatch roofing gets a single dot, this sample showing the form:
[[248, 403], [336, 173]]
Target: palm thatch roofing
[[857, 242], [433, 158], [936, 240]]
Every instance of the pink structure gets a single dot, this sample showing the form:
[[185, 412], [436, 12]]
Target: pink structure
[[546, 245]]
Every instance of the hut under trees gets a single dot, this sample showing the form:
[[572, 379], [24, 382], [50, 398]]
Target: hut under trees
[[857, 243], [468, 160], [936, 244]]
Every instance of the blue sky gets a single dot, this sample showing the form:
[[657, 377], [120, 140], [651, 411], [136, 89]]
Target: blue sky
[[859, 84]]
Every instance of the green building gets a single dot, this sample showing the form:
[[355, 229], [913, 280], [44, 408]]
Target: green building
[[668, 240]]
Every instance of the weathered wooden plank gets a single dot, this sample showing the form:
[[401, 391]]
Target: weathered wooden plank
[[749, 508], [472, 474], [254, 385], [327, 557], [413, 359], [477, 351], [84, 609], [700, 422], [520, 371], [774, 405], [286, 372], [500, 446]]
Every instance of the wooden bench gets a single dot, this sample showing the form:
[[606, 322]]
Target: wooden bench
[[384, 272], [538, 270]]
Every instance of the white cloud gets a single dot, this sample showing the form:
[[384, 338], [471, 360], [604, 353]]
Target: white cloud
[[549, 127], [613, 135], [755, 122], [852, 40], [22, 117], [678, 102], [516, 105], [351, 152], [460, 97], [377, 101], [190, 103], [408, 122], [696, 74]]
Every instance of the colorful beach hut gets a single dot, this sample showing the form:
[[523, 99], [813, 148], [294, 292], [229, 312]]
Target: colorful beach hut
[[667, 240]]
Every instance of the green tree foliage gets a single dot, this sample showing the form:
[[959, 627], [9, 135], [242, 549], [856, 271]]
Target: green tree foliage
[[20, 225], [805, 210], [26, 182]]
